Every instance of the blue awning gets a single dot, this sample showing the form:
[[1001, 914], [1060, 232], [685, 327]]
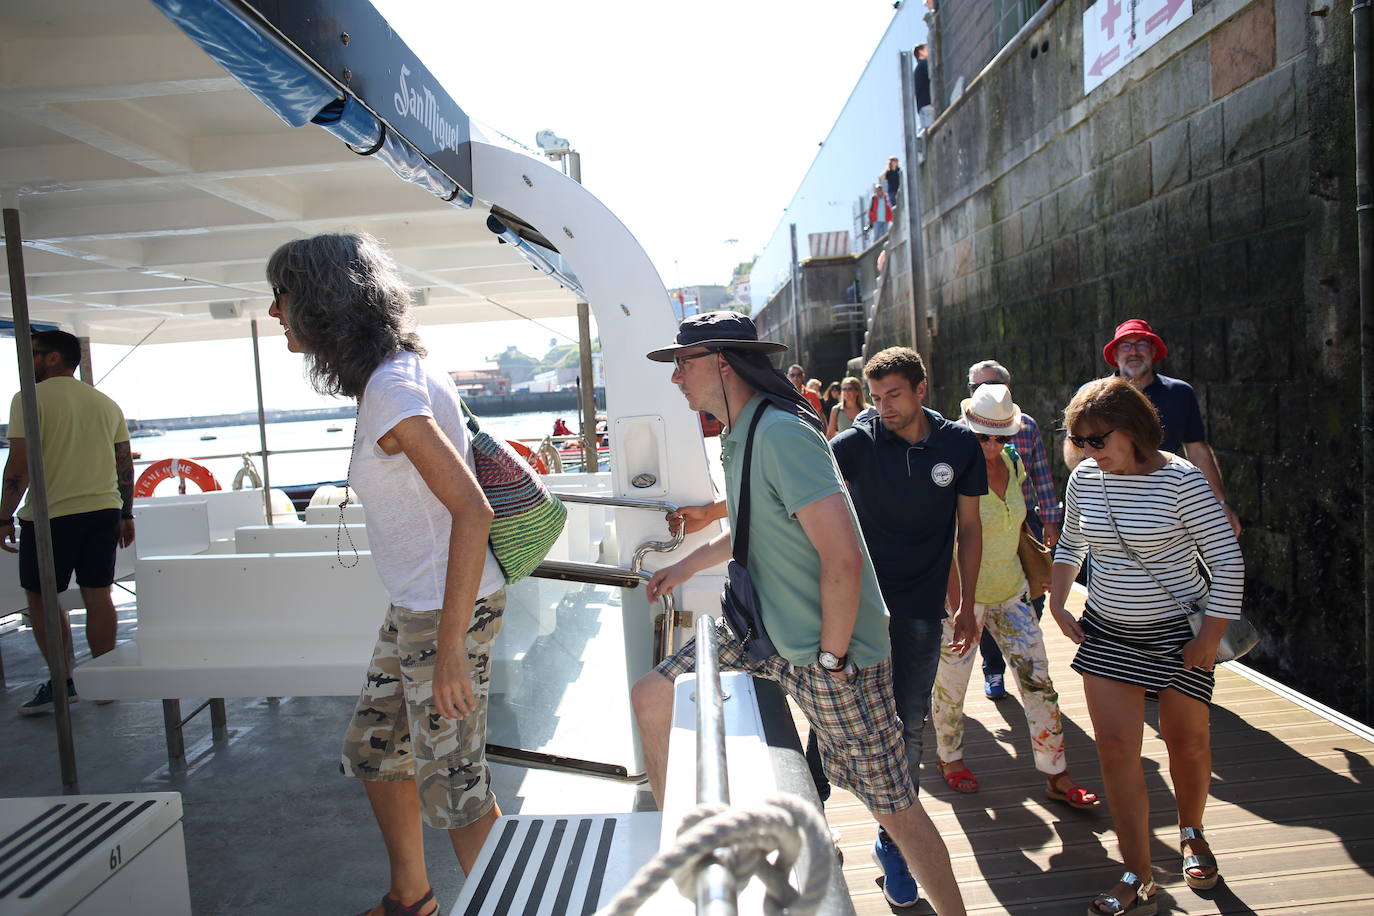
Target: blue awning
[[299, 91]]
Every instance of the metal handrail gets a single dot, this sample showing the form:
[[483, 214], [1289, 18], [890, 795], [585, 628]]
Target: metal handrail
[[630, 502], [716, 890]]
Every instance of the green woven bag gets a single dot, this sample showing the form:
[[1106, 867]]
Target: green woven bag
[[528, 518]]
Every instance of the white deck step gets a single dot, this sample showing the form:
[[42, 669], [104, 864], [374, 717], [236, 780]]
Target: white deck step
[[93, 855], [555, 865]]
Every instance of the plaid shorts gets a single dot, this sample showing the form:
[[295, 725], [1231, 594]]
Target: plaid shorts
[[395, 733], [855, 721]]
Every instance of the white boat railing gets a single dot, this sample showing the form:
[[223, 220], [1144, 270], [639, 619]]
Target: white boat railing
[[716, 889]]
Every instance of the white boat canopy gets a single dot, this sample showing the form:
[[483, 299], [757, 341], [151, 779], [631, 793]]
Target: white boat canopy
[[152, 184]]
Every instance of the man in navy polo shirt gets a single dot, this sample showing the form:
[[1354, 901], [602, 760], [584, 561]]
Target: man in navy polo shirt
[[915, 479], [1133, 351]]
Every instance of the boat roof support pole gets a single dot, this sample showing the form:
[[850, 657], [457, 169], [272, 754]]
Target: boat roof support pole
[[262, 428], [38, 502], [87, 370], [586, 389]]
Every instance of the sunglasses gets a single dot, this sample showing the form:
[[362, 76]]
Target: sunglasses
[[849, 388], [43, 352], [1097, 442], [1000, 440]]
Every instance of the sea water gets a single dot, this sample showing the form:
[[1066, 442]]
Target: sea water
[[327, 461]]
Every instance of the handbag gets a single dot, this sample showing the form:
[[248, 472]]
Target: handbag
[[1037, 562], [1240, 636], [739, 601], [527, 518]]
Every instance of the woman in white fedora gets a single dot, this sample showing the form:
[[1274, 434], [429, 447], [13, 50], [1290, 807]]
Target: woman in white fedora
[[1001, 605]]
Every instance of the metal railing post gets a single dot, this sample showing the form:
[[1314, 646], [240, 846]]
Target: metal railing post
[[716, 891]]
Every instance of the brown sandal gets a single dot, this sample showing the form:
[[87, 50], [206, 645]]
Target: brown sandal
[[393, 907]]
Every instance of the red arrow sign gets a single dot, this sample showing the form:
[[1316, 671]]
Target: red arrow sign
[[1164, 15], [1103, 59]]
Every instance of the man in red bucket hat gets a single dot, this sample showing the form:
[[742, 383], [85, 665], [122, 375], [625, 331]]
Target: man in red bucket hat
[[1132, 352]]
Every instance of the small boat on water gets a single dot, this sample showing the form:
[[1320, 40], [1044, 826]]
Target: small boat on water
[[334, 429], [208, 437]]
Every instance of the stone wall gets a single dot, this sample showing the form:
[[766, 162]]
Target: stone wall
[[1209, 188]]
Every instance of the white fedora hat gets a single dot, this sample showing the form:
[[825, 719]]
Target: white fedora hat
[[990, 411]]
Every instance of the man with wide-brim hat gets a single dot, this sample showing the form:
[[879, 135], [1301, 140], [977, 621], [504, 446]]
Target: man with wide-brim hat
[[1133, 351], [815, 588]]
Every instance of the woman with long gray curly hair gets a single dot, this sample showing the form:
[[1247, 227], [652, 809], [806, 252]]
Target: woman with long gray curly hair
[[344, 306]]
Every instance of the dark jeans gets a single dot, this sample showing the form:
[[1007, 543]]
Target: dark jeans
[[915, 658], [993, 662]]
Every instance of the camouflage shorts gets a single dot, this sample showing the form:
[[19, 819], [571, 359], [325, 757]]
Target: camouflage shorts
[[446, 757]]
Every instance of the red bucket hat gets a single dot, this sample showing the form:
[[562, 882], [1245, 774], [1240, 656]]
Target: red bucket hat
[[1134, 327]]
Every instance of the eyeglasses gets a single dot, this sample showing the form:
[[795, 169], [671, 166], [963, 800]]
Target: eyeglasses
[[681, 361], [43, 352], [1127, 346], [849, 388], [1000, 440], [796, 375], [1097, 442]]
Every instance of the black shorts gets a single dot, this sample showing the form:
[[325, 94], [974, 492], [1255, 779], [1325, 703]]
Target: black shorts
[[84, 543]]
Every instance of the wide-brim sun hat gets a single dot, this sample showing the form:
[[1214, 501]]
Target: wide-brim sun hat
[[716, 331], [1134, 327], [991, 411]]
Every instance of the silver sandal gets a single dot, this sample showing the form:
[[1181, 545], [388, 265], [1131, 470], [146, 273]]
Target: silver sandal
[[1142, 904], [1201, 862]]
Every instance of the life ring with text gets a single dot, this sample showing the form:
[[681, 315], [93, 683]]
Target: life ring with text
[[183, 469], [524, 451]]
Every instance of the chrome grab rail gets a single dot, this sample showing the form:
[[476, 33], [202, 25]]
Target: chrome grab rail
[[629, 502], [716, 891]]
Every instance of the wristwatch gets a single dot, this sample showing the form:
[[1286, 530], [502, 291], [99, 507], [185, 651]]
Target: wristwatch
[[832, 662]]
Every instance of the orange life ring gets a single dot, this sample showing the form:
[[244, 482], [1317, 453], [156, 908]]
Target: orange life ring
[[182, 468], [524, 451]]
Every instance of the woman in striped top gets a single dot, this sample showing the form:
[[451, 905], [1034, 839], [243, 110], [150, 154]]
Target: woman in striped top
[[1134, 639]]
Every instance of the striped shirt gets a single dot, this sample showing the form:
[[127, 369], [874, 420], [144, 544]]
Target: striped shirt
[[1168, 518]]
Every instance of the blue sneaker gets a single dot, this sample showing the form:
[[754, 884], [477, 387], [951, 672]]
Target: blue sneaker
[[898, 886], [993, 687]]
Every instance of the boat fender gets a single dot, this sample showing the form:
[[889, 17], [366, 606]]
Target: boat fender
[[247, 472], [783, 823], [183, 469]]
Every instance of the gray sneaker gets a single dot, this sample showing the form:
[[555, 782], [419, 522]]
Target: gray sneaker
[[41, 702]]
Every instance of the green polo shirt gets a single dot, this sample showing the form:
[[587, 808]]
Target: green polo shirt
[[792, 468]]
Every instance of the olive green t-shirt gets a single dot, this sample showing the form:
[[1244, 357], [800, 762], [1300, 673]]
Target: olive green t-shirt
[[792, 468], [79, 428]]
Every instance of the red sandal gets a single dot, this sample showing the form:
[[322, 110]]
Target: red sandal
[[1077, 797], [960, 777]]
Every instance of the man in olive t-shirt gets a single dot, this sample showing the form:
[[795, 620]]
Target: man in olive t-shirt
[[89, 473]]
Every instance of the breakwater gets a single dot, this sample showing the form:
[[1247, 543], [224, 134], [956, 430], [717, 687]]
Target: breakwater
[[491, 405]]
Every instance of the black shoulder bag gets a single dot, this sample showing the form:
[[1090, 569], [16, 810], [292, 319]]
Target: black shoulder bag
[[739, 602]]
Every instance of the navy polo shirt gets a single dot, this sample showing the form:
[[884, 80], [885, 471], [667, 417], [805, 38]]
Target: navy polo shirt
[[907, 499], [1179, 413]]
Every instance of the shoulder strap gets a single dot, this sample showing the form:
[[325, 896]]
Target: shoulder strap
[[473, 426], [1135, 557], [741, 535]]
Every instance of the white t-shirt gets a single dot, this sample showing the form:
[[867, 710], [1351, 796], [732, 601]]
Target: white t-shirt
[[407, 527]]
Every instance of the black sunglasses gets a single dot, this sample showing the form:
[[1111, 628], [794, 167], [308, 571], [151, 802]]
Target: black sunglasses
[[1097, 442], [1001, 440]]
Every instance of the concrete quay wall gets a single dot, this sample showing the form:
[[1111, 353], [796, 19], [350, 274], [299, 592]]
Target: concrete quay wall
[[1208, 187]]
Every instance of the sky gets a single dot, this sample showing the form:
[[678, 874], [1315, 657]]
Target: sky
[[695, 122]]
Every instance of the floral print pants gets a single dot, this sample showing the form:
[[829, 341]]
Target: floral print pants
[[1017, 632]]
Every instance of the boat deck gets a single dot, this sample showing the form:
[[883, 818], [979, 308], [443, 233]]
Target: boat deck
[[1291, 816]]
